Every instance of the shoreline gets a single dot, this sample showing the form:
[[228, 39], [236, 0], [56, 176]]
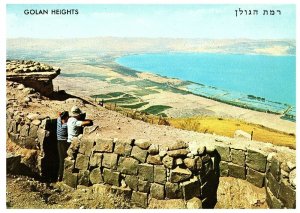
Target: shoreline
[[284, 114]]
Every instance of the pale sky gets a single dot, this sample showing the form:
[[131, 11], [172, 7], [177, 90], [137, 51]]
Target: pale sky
[[174, 21]]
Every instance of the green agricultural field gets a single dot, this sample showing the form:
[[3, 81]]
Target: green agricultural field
[[144, 92], [108, 95], [134, 106], [117, 81], [156, 109]]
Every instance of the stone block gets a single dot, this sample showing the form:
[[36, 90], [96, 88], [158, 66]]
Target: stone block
[[95, 176], [128, 166], [98, 189], [275, 168], [104, 145], [178, 153], [255, 177], [13, 127], [86, 146], [291, 165], [153, 149], [191, 189], [238, 157], [13, 164], [224, 152], [144, 186], [83, 177], [224, 169], [96, 160], [122, 192], [162, 153], [132, 182], [190, 163], [157, 191], [28, 142], [14, 137], [272, 201], [201, 150], [24, 130], [82, 162], [110, 160], [287, 195], [142, 143], [273, 184], [167, 205], [257, 160], [173, 191], [33, 131], [179, 162], [178, 145], [292, 178], [154, 159], [145, 172], [179, 175], [69, 164], [236, 171], [74, 146], [139, 199], [139, 154], [160, 175], [168, 162], [194, 203], [70, 179], [123, 148], [110, 177]]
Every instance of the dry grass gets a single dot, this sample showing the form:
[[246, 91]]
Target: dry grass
[[219, 126], [227, 127]]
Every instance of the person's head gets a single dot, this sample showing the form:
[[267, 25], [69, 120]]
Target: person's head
[[64, 116], [75, 112]]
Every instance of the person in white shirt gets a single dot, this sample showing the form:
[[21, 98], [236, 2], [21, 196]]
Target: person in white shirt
[[74, 124]]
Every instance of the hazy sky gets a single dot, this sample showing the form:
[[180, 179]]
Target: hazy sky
[[176, 21]]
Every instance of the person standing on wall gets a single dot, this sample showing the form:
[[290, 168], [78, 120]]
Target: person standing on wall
[[62, 144]]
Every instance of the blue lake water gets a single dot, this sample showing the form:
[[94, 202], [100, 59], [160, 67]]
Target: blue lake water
[[269, 77]]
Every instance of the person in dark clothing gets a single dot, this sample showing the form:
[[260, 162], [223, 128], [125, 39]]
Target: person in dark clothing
[[62, 144]]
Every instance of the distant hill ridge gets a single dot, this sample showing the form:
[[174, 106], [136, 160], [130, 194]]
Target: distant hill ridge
[[137, 45]]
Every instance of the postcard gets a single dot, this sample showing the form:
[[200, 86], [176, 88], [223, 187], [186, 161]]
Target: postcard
[[154, 105]]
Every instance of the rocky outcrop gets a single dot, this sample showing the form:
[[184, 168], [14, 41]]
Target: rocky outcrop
[[32, 74]]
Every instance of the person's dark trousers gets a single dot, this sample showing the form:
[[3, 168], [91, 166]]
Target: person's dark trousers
[[62, 146]]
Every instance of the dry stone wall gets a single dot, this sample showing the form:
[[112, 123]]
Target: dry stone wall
[[262, 165], [140, 170], [36, 134]]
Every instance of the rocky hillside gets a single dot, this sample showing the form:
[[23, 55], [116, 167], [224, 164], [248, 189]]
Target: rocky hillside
[[29, 108]]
